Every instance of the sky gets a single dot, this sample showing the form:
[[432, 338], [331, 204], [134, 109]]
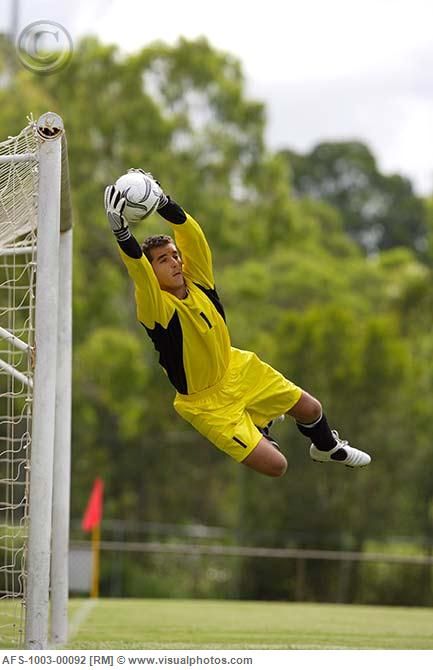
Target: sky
[[334, 70]]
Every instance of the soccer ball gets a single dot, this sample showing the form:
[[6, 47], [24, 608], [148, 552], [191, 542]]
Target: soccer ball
[[142, 195]]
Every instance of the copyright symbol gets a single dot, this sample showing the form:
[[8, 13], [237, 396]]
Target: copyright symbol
[[44, 47], [121, 659]]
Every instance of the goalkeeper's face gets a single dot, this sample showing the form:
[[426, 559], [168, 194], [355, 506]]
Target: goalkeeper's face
[[167, 265]]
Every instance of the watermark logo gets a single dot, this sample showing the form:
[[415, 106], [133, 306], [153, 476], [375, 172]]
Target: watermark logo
[[44, 47]]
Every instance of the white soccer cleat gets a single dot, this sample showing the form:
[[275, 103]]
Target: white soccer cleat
[[355, 458]]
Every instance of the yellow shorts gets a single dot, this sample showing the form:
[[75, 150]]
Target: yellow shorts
[[250, 394]]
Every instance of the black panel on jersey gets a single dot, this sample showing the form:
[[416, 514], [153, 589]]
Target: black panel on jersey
[[169, 343], [214, 298], [173, 212], [130, 247]]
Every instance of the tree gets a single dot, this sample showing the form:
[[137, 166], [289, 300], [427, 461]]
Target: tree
[[379, 211], [361, 371]]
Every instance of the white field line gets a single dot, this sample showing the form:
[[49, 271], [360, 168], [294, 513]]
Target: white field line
[[319, 647], [80, 616]]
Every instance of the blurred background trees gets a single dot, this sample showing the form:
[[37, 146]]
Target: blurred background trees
[[379, 211], [324, 266]]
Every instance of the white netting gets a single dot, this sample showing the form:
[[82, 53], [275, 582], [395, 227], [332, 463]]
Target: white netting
[[18, 181], [18, 217]]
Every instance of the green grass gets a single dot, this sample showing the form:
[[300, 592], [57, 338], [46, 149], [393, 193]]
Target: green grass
[[204, 624], [11, 622], [219, 624]]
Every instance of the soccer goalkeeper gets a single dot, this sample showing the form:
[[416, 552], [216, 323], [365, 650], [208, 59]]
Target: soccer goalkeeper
[[230, 396]]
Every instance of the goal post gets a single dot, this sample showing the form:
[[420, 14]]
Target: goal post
[[35, 226], [62, 427]]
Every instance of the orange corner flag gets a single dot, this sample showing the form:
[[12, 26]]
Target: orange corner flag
[[93, 514]]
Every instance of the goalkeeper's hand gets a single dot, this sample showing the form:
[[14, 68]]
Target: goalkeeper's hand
[[114, 205], [163, 199]]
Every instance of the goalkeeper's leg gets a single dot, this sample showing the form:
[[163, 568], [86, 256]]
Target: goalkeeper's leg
[[326, 443], [266, 459]]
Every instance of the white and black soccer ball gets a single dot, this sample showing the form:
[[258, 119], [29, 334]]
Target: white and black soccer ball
[[142, 195]]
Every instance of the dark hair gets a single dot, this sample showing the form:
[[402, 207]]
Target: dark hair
[[154, 241]]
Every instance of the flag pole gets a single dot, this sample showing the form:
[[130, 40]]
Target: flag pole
[[96, 549], [92, 522]]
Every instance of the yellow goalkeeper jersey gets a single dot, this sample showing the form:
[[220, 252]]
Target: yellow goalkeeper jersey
[[190, 335]]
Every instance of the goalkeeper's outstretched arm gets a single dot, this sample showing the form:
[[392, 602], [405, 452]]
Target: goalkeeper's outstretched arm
[[114, 205], [172, 212], [191, 242], [151, 308], [188, 235]]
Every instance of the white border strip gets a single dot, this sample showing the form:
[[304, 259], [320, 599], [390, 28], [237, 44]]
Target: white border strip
[[81, 616]]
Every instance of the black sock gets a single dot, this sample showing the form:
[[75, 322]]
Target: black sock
[[319, 433]]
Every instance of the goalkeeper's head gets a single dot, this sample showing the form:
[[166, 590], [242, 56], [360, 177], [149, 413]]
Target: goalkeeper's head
[[154, 242], [166, 262]]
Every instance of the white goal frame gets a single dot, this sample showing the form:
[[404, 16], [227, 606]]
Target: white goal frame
[[49, 494]]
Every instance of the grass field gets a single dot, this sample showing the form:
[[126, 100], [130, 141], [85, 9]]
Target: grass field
[[204, 624], [219, 624]]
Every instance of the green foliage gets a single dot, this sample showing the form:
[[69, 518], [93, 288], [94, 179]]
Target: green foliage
[[110, 371], [379, 211]]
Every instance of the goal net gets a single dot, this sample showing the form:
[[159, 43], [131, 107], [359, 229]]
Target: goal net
[[31, 354]]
